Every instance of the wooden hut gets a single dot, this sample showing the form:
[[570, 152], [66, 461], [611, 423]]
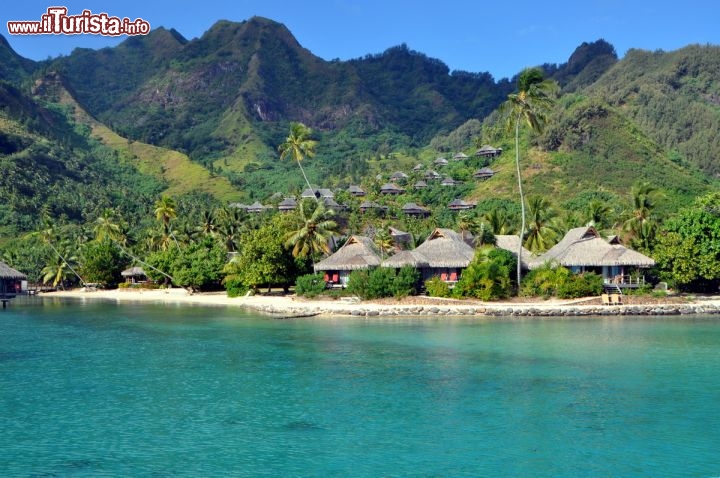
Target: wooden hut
[[443, 254], [356, 191], [134, 275], [390, 188], [420, 184], [461, 205], [440, 162], [10, 283], [460, 157], [448, 181], [366, 206], [287, 205], [431, 175], [357, 253], [583, 249], [398, 176], [484, 173], [488, 151], [317, 193], [413, 210], [256, 208]]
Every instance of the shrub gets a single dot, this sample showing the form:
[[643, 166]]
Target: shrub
[[358, 283], [487, 277], [580, 285], [310, 285], [436, 287], [234, 286], [381, 283], [406, 282]]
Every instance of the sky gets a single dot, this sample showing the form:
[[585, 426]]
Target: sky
[[500, 37]]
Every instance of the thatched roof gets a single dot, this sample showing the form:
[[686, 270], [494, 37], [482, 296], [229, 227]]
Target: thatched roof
[[257, 207], [322, 192], [420, 184], [356, 190], [133, 272], [484, 173], [390, 188], [583, 246], [460, 156], [441, 161], [431, 174], [287, 204], [412, 208], [448, 181], [357, 253], [442, 248], [399, 236], [488, 150], [459, 204], [510, 243], [398, 176], [418, 167], [7, 272]]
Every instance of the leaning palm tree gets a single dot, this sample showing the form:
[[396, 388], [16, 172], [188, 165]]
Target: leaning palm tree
[[298, 145], [165, 211], [314, 232], [106, 229], [530, 105]]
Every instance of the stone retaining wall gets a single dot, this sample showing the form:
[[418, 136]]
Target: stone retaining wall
[[359, 310]]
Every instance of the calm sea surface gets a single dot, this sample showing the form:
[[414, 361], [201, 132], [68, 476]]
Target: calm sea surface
[[97, 389]]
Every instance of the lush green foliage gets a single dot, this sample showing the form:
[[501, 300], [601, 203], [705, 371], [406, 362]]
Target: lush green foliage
[[688, 249], [488, 277], [552, 280], [383, 282], [310, 285], [102, 263], [436, 287]]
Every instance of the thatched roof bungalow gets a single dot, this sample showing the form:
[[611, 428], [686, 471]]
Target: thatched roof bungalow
[[460, 157], [484, 173], [448, 181], [444, 254], [134, 275], [583, 249], [511, 243], [414, 210], [441, 162], [10, 282], [461, 205], [390, 188], [420, 184], [356, 191], [358, 252], [256, 208], [431, 175], [317, 193], [366, 206], [488, 151], [287, 204], [398, 176]]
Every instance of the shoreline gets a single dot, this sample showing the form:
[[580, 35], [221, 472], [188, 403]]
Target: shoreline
[[291, 306]]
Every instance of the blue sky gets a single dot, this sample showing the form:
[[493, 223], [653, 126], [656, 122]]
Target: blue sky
[[501, 37]]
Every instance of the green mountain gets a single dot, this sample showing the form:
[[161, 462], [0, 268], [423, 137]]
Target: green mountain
[[162, 113]]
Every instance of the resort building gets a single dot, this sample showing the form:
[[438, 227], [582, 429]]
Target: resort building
[[390, 188], [460, 157], [448, 181], [372, 205], [287, 205], [440, 162], [413, 210], [443, 254], [461, 205], [420, 184], [398, 176], [484, 173], [584, 250], [359, 252], [134, 275], [488, 151], [317, 193], [356, 191], [432, 175], [10, 283]]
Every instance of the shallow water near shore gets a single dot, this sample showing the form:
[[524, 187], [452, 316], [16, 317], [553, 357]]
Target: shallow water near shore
[[100, 389]]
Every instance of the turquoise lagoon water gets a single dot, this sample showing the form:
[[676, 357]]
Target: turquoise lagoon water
[[97, 389]]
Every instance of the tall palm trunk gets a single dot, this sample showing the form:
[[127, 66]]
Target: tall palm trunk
[[306, 180], [522, 200]]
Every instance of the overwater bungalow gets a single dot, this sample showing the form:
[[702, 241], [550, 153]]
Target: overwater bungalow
[[390, 188], [413, 210], [488, 151], [10, 283], [443, 254], [584, 250], [484, 173], [358, 252]]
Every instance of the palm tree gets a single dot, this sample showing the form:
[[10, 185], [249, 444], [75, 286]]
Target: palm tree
[[299, 146], [59, 270], [464, 222], [598, 212], [640, 225], [384, 241], [542, 232], [165, 211], [47, 236], [208, 224], [106, 229], [314, 231], [499, 221], [530, 104]]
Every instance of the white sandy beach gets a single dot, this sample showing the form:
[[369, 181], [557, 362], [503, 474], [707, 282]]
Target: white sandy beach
[[291, 306]]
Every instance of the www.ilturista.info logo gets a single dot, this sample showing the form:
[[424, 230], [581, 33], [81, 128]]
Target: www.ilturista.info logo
[[57, 22]]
